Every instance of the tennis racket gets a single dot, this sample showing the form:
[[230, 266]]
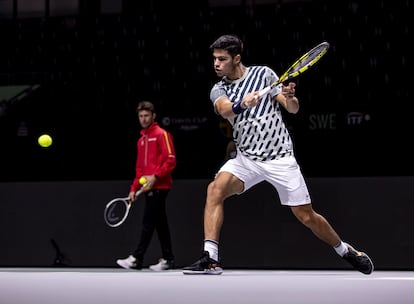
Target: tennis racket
[[301, 65], [117, 210]]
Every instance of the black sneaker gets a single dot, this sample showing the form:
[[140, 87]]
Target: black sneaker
[[359, 260], [205, 265]]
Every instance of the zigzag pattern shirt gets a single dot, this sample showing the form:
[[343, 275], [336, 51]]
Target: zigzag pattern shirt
[[259, 132]]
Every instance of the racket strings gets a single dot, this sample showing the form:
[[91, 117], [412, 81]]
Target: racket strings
[[115, 212], [309, 58]]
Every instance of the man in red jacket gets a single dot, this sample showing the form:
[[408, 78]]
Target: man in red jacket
[[155, 163]]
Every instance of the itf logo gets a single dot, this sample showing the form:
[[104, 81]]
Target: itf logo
[[356, 118]]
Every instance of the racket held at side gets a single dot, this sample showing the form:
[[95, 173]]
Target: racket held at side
[[116, 211]]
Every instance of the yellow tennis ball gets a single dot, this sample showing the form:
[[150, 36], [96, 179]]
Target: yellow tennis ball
[[142, 180], [45, 140]]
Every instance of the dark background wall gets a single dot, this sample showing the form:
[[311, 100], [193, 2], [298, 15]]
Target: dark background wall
[[90, 69], [374, 214], [77, 73]]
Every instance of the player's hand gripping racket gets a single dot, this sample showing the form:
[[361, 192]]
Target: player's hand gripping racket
[[299, 66], [117, 210]]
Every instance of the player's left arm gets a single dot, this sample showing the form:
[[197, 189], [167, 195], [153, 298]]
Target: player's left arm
[[167, 159], [287, 98]]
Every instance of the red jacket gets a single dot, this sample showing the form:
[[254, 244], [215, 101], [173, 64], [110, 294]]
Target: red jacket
[[155, 155]]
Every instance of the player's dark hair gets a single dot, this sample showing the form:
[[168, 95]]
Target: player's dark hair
[[146, 106], [230, 43]]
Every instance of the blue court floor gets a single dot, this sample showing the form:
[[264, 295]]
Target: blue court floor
[[119, 286]]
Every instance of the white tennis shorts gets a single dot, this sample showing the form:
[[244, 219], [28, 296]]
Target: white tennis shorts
[[283, 173]]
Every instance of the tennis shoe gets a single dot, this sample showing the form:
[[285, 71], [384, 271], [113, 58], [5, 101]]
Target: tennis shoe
[[205, 265], [162, 265], [359, 260], [129, 263]]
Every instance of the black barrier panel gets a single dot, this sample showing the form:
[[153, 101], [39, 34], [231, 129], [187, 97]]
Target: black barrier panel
[[61, 224]]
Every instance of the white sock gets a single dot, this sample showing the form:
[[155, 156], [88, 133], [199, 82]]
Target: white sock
[[212, 248], [341, 248]]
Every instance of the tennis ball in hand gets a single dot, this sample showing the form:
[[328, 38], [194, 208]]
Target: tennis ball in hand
[[45, 140], [142, 180]]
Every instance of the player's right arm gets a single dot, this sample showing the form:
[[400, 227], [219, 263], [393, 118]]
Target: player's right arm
[[131, 195], [228, 109], [224, 107]]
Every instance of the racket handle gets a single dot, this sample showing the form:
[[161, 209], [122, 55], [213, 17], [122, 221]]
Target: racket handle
[[264, 91], [139, 192]]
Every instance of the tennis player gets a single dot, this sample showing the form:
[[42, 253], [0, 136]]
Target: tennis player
[[264, 153], [155, 162]]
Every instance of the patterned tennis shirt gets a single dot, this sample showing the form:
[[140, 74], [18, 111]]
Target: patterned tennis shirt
[[259, 132]]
